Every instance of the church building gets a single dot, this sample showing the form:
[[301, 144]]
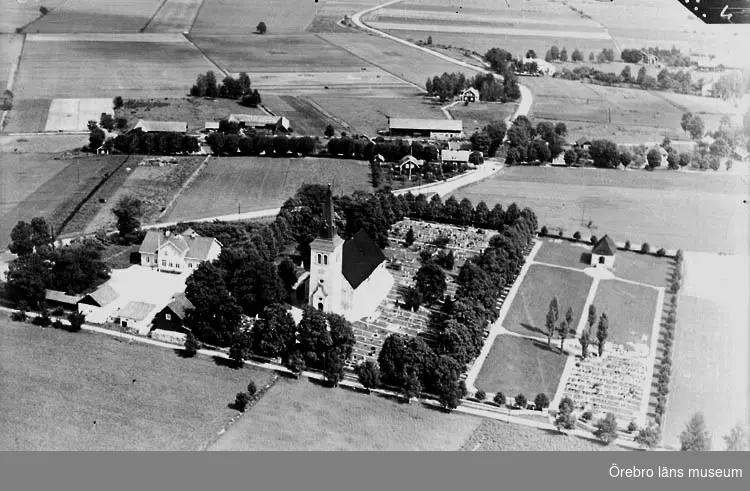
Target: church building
[[349, 277]]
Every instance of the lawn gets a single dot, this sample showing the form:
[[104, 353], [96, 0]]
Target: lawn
[[565, 253], [630, 309], [477, 116], [521, 366], [303, 416], [643, 268], [258, 183], [496, 436], [529, 309], [692, 211], [83, 391], [72, 66], [96, 16], [232, 17]]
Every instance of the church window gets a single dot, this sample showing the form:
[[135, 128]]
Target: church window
[[325, 258], [320, 260]]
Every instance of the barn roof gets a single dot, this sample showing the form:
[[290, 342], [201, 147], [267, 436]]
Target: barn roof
[[136, 310], [61, 297], [426, 124], [455, 155], [101, 296], [180, 305], [161, 126], [254, 119], [605, 247], [361, 255]]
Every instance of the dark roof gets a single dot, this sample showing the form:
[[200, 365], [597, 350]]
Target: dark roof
[[61, 297], [180, 305], [605, 247], [361, 256]]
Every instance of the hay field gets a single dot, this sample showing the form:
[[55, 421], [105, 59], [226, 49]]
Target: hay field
[[699, 212], [20, 176], [74, 114], [71, 66], [141, 397], [407, 63], [259, 183], [370, 115], [174, 16], [278, 53], [96, 16], [301, 415], [237, 17]]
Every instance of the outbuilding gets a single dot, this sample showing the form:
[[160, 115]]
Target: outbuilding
[[603, 253]]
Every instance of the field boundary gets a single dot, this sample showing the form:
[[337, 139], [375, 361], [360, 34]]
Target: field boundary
[[203, 53], [187, 183], [22, 29], [12, 80], [151, 19]]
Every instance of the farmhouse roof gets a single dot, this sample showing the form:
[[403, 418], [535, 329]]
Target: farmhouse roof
[[188, 243], [61, 297], [254, 119], [136, 310], [410, 159], [179, 305], [161, 126], [471, 90], [100, 297], [455, 155], [605, 247], [199, 247], [583, 141], [448, 125], [361, 255], [212, 125]]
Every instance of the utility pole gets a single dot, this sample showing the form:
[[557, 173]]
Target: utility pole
[[239, 212]]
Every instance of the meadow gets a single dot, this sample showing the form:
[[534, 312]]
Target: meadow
[[174, 16], [83, 391], [517, 365], [529, 309], [17, 14], [306, 116], [477, 116], [94, 16], [10, 50], [630, 309], [565, 253], [258, 183], [28, 115], [692, 211], [233, 17], [304, 416]]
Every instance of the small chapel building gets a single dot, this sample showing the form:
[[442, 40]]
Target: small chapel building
[[347, 277], [603, 253]]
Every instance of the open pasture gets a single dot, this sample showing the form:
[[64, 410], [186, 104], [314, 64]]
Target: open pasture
[[704, 209], [517, 365], [96, 16], [477, 116], [630, 309], [406, 63], [303, 416], [74, 114], [28, 115], [259, 183], [643, 268], [369, 115], [529, 309], [91, 66], [174, 16], [233, 17], [20, 176], [278, 53], [101, 393]]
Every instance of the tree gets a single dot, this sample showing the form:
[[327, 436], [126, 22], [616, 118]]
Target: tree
[[551, 319], [604, 153], [22, 243], [606, 429], [76, 320], [554, 52], [261, 29], [96, 138], [645, 248], [577, 55], [429, 40], [654, 158], [592, 57], [480, 142], [329, 132], [191, 345], [297, 363], [592, 316], [648, 437], [215, 318], [584, 340], [499, 399], [626, 75], [431, 282], [241, 401], [251, 388], [602, 332], [531, 54], [570, 157], [737, 439], [541, 401], [694, 125], [695, 437], [107, 121], [564, 54], [26, 280], [273, 333], [672, 160], [480, 395], [117, 102], [335, 364], [410, 237], [369, 374], [237, 353], [565, 419], [128, 211], [521, 401]]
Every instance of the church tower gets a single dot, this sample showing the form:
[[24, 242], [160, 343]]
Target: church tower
[[326, 259]]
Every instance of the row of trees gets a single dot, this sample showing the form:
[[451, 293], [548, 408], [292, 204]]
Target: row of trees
[[137, 141], [206, 85], [557, 54], [259, 143]]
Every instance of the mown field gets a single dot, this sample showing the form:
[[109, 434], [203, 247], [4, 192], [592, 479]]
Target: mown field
[[521, 366], [259, 183], [301, 415], [95, 16], [630, 309], [234, 17], [699, 212], [528, 311], [82, 391]]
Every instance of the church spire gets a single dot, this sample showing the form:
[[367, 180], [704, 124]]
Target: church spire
[[329, 217]]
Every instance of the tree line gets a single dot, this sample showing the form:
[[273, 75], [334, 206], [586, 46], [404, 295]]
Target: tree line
[[450, 85], [206, 85], [527, 144]]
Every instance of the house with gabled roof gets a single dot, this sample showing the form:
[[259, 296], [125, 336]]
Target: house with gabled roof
[[97, 300], [177, 253], [603, 252], [172, 317]]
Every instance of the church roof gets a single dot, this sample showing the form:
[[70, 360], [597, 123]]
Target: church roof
[[605, 247], [361, 256]]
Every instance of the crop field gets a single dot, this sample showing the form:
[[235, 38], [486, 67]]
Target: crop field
[[174, 16], [320, 81], [368, 115], [704, 208], [529, 309], [20, 176], [278, 53], [91, 66], [259, 183], [74, 114], [630, 309], [234, 17], [27, 115], [477, 116], [407, 63], [303, 416], [41, 143], [306, 116], [517, 365], [102, 393], [193, 110], [17, 14], [96, 16], [10, 50]]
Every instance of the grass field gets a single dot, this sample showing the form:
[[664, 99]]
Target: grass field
[[174, 16], [493, 436], [300, 415], [28, 115], [306, 116], [40, 144], [565, 253], [529, 309], [10, 50], [477, 116], [233, 17], [72, 66], [17, 14], [368, 115], [521, 366], [95, 16], [92, 392], [258, 183], [704, 212], [630, 309]]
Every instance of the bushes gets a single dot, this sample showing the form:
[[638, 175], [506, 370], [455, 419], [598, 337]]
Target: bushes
[[627, 245], [577, 235], [19, 316], [191, 345], [521, 401], [587, 416], [499, 399], [42, 320], [661, 252], [241, 401], [480, 395], [645, 248], [543, 232]]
